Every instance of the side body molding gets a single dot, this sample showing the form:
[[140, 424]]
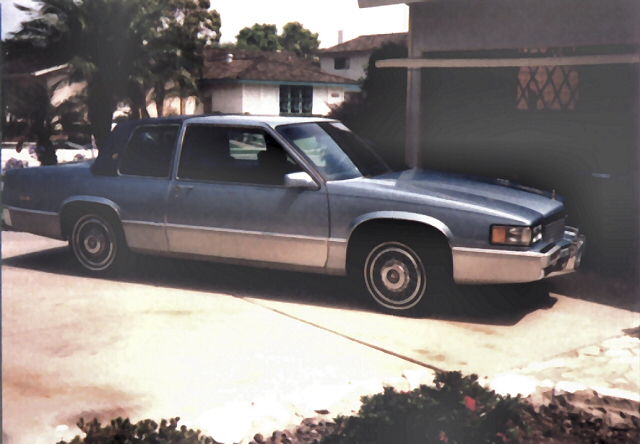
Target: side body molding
[[337, 261]]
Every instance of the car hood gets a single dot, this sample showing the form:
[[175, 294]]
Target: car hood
[[492, 194]]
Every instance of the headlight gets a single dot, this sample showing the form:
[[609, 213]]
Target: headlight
[[520, 236], [537, 233]]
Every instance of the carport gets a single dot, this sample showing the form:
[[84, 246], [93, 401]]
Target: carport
[[542, 92]]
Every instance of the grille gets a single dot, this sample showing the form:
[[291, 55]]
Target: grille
[[553, 230]]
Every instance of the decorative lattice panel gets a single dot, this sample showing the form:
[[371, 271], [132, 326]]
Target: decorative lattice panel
[[547, 87]]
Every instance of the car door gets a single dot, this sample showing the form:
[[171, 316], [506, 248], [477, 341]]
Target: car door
[[143, 184], [228, 200]]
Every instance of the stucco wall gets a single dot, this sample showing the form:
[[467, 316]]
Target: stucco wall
[[227, 99], [324, 98], [261, 99], [357, 65], [504, 24], [265, 99]]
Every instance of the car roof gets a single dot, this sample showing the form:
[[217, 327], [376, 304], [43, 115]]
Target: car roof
[[244, 119]]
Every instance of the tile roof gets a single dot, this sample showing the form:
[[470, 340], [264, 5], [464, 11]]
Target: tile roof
[[261, 65], [366, 43]]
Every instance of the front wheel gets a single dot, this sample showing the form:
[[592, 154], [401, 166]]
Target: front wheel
[[395, 276], [98, 245], [408, 275]]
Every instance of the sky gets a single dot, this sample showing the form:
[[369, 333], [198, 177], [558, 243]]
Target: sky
[[326, 17]]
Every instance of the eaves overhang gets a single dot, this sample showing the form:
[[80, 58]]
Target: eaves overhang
[[347, 86], [417, 63], [374, 3]]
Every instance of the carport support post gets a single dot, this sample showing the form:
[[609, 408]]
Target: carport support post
[[635, 70], [414, 93]]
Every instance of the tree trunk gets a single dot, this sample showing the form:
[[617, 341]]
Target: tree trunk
[[46, 152], [160, 96], [101, 107]]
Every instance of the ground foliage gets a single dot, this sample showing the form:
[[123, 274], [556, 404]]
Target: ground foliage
[[122, 431], [560, 422], [455, 410]]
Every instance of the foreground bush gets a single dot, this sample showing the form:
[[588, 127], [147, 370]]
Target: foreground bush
[[122, 431], [457, 410]]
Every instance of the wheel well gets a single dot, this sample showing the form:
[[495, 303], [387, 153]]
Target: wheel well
[[374, 230], [72, 211]]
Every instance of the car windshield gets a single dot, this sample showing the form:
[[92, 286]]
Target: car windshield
[[335, 151]]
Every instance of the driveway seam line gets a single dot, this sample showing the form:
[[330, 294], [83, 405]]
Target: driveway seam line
[[357, 341]]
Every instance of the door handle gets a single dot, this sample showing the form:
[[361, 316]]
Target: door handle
[[183, 187]]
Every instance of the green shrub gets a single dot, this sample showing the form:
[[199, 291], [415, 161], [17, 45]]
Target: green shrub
[[122, 431], [457, 410]]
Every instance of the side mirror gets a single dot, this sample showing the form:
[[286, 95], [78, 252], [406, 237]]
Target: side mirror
[[301, 179]]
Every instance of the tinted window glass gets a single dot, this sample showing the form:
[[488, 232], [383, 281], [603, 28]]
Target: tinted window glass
[[231, 154], [246, 146], [150, 151], [334, 149]]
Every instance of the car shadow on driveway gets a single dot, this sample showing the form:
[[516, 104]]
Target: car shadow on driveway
[[494, 305]]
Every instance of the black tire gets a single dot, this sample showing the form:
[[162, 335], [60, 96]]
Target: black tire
[[99, 245], [403, 270]]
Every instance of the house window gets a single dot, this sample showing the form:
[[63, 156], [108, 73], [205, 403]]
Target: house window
[[296, 99], [340, 63], [547, 87]]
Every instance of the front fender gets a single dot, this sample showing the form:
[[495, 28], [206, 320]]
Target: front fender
[[403, 216]]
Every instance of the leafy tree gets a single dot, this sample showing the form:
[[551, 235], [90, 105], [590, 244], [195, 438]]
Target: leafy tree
[[294, 38], [298, 39], [378, 113], [122, 48], [192, 27], [261, 37], [30, 104]]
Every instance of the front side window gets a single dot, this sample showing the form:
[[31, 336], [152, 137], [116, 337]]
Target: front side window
[[233, 154], [296, 99], [149, 151], [336, 152]]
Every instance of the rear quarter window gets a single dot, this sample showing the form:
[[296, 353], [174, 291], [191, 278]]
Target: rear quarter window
[[149, 151]]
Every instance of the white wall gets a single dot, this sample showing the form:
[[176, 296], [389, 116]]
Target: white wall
[[261, 99], [227, 99], [357, 65], [326, 96], [265, 99]]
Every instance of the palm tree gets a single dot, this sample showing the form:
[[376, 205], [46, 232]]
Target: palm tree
[[116, 46]]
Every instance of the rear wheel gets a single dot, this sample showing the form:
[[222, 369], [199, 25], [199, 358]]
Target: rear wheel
[[98, 244], [408, 273]]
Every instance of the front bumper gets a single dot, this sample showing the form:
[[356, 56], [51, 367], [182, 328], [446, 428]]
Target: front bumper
[[483, 266]]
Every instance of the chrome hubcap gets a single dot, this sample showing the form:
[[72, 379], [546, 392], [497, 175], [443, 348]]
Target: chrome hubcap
[[395, 276], [94, 242]]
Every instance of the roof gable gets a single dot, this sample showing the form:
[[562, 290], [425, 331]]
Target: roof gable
[[366, 43], [262, 65]]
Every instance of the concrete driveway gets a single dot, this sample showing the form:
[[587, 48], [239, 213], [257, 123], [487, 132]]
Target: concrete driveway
[[234, 349]]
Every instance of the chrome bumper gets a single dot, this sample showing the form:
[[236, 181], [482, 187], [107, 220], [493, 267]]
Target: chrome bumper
[[483, 266]]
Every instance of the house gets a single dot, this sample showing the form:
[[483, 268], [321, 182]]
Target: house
[[271, 83], [349, 59], [539, 91]]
